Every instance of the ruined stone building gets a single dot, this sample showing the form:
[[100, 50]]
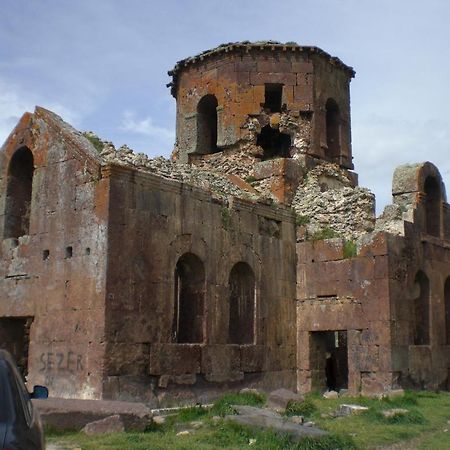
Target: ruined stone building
[[246, 260]]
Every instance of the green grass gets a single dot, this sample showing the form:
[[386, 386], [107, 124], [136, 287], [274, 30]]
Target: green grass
[[350, 249], [306, 408], [325, 233], [301, 220], [427, 413], [95, 141], [222, 406], [423, 426]]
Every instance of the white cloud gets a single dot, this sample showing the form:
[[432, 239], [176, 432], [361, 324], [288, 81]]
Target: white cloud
[[14, 102], [146, 127], [381, 144]]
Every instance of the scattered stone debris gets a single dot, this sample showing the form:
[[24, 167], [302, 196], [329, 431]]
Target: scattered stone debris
[[279, 399], [183, 433], [347, 410], [387, 413], [63, 414], [111, 424], [330, 394], [265, 418]]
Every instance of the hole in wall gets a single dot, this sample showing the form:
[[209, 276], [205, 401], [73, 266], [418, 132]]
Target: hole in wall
[[45, 254], [69, 252], [274, 143]]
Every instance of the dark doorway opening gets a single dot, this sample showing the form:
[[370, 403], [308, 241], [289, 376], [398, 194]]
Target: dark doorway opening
[[447, 311], [422, 310], [329, 360], [242, 304], [432, 206], [18, 194], [15, 337], [187, 325], [274, 143], [207, 125], [273, 97], [333, 130]]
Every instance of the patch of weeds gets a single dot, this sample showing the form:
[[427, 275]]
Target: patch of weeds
[[349, 249], [250, 179], [192, 413], [325, 233], [306, 408], [232, 434], [408, 399], [226, 217], [154, 427], [222, 406], [301, 220], [330, 442], [50, 430], [95, 141], [229, 434], [411, 417], [424, 394]]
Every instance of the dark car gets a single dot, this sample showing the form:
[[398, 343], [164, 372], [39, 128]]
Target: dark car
[[20, 425]]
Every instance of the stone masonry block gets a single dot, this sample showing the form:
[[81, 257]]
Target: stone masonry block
[[221, 363], [174, 359]]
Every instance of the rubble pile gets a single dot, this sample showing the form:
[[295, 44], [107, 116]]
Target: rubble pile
[[215, 182], [326, 199]]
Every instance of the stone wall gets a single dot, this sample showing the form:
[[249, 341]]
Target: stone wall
[[341, 292], [159, 221], [55, 275]]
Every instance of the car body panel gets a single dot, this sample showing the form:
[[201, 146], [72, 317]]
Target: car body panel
[[20, 424]]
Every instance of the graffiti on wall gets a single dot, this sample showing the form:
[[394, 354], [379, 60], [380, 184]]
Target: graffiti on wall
[[51, 362]]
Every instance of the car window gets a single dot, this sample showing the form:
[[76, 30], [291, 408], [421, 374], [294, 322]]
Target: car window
[[16, 400], [23, 395], [6, 401]]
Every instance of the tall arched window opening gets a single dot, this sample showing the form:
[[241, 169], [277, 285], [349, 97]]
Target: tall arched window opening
[[207, 125], [447, 310], [333, 123], [189, 299], [422, 310], [432, 206], [18, 194], [242, 305]]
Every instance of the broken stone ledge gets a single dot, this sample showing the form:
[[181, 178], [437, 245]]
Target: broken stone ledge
[[73, 414]]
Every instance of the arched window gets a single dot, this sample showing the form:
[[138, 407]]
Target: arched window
[[18, 194], [333, 120], [187, 326], [447, 310], [242, 305], [274, 143], [207, 124], [432, 206], [422, 310]]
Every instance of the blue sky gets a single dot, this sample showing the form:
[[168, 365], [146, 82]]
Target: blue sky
[[102, 65]]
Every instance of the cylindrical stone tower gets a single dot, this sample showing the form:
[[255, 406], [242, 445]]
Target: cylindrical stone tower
[[265, 99]]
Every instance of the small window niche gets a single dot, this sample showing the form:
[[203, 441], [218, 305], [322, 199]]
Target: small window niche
[[45, 255], [273, 97], [69, 252]]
